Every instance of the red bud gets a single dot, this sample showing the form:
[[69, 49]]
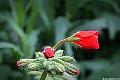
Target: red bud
[[88, 39], [48, 52], [75, 72]]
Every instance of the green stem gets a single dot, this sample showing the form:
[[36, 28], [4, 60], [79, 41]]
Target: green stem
[[58, 44], [44, 74], [69, 39]]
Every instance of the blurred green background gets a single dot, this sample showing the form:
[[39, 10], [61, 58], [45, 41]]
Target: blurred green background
[[27, 26]]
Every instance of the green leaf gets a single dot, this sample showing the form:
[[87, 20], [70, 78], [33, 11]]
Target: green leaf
[[32, 39], [25, 46], [71, 7], [113, 3], [94, 65], [1, 57], [13, 9], [32, 17], [12, 22], [8, 45], [96, 24], [20, 13], [113, 25], [43, 13], [51, 10], [68, 48], [107, 72], [28, 6], [5, 72], [109, 21], [11, 46], [61, 27]]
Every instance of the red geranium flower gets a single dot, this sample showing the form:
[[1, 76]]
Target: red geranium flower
[[48, 52], [88, 39]]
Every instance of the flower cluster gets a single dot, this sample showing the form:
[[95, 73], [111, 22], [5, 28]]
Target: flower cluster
[[45, 61], [54, 62]]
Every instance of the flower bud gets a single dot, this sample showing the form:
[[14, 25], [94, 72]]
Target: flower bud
[[48, 52], [59, 67], [23, 62], [48, 65], [71, 71], [32, 66], [88, 39], [75, 71], [58, 61], [19, 63], [67, 59]]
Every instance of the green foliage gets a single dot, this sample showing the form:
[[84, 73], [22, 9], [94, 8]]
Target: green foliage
[[27, 26]]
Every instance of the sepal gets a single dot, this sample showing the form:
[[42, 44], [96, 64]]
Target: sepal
[[58, 53], [39, 54]]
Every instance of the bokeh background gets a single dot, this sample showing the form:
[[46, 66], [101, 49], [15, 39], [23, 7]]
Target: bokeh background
[[27, 26]]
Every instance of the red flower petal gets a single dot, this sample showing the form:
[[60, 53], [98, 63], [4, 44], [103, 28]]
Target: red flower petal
[[48, 52], [86, 33], [88, 39]]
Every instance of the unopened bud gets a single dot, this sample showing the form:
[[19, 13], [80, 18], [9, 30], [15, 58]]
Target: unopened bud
[[48, 65], [67, 59], [71, 71], [23, 62], [59, 67], [19, 63], [48, 52], [75, 71], [32, 66]]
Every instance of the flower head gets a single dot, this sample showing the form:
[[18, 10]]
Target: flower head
[[88, 39], [48, 52]]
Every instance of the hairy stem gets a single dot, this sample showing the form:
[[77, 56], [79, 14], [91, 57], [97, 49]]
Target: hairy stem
[[44, 74], [69, 39], [58, 44]]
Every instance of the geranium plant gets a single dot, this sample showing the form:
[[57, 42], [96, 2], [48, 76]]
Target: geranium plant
[[52, 62]]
